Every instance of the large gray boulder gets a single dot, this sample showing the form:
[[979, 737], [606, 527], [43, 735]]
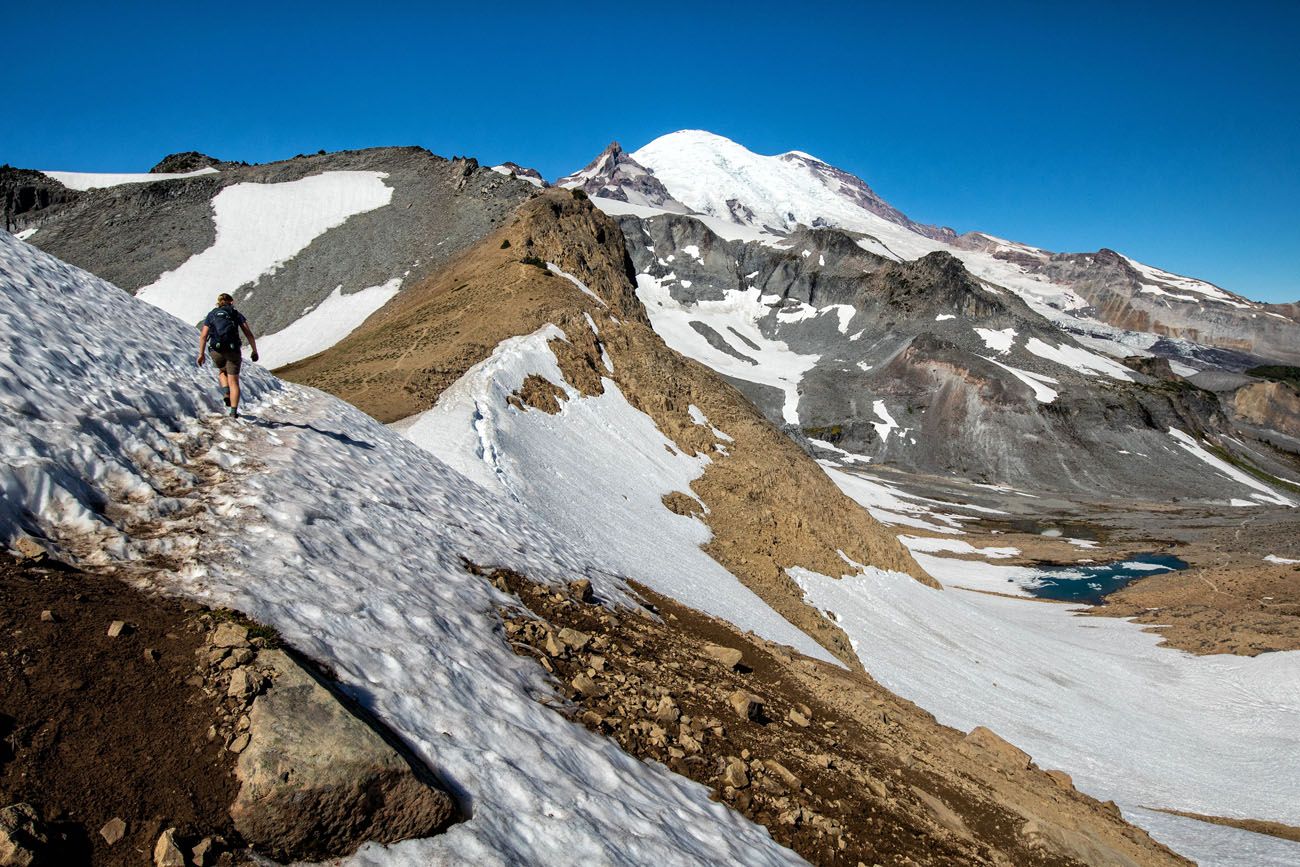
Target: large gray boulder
[[316, 780]]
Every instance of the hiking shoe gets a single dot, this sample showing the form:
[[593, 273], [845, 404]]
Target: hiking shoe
[[233, 413], [225, 396]]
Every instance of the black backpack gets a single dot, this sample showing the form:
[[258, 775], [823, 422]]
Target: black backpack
[[224, 331]]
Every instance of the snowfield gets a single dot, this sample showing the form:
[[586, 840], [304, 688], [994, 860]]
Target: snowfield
[[324, 325], [259, 228], [1143, 725], [312, 527], [98, 180]]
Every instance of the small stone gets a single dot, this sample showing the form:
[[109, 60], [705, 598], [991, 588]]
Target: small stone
[[166, 853], [573, 639], [239, 744], [47, 616], [797, 718], [784, 774], [29, 549], [151, 655], [241, 684], [242, 656], [202, 852], [804, 710], [116, 628], [553, 645], [735, 774], [229, 634], [746, 705], [582, 589], [585, 685], [114, 829], [728, 656], [666, 711]]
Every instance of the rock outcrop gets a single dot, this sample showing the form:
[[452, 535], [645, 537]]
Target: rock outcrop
[[316, 780]]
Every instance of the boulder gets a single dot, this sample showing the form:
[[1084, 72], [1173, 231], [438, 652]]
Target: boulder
[[983, 743], [22, 838], [316, 781], [728, 656], [229, 635], [745, 705]]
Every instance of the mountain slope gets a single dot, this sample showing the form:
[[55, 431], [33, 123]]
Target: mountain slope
[[243, 523], [768, 506], [317, 242]]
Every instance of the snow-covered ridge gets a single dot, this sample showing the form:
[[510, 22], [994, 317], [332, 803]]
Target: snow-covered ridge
[[98, 180], [309, 527]]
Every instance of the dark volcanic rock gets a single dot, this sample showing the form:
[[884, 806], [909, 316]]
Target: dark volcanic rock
[[187, 161], [26, 194]]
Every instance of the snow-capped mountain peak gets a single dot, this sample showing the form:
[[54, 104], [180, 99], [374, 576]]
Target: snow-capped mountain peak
[[714, 175]]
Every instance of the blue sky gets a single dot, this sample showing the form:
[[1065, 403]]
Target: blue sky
[[1170, 132]]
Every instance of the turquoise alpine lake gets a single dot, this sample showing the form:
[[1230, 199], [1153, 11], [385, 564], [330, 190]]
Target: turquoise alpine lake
[[1090, 583]]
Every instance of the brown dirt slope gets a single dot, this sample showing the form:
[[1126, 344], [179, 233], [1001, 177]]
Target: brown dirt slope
[[93, 727], [833, 765], [770, 506]]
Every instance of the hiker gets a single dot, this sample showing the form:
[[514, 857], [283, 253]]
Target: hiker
[[220, 333]]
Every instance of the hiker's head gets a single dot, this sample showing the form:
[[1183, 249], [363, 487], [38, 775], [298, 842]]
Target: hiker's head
[[224, 300]]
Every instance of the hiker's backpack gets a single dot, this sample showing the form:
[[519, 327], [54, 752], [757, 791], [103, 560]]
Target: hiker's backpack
[[224, 333]]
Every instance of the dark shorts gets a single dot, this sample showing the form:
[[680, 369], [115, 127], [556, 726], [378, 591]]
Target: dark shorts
[[227, 361]]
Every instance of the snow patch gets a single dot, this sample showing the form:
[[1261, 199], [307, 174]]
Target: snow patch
[[259, 228], [99, 180], [333, 319]]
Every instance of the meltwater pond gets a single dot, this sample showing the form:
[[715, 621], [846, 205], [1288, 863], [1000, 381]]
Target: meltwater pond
[[1090, 583]]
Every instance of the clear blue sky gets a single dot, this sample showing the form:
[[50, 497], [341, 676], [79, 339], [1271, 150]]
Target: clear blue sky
[[1170, 132]]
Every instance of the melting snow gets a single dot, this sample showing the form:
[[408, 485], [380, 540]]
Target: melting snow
[[1130, 721], [1265, 493], [778, 365], [556, 269], [259, 228], [998, 341], [1079, 359], [1036, 381], [98, 180], [333, 319]]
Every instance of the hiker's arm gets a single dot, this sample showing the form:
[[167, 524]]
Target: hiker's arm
[[252, 341], [203, 343]]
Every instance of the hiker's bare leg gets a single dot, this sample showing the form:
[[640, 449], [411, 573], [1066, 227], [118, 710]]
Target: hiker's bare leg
[[233, 380]]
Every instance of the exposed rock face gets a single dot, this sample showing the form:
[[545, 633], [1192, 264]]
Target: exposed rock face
[[187, 161], [28, 195], [615, 175], [315, 780], [1130, 296], [919, 342], [1273, 405]]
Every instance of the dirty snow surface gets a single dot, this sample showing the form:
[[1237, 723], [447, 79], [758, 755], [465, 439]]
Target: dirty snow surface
[[349, 540], [1146, 726], [98, 180], [259, 228]]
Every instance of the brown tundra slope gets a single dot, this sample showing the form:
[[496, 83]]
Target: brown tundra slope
[[868, 766]]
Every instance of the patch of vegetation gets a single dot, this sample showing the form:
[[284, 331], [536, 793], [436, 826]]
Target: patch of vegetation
[[533, 260], [1247, 467], [578, 194], [505, 244], [255, 630], [830, 433], [1279, 372]]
